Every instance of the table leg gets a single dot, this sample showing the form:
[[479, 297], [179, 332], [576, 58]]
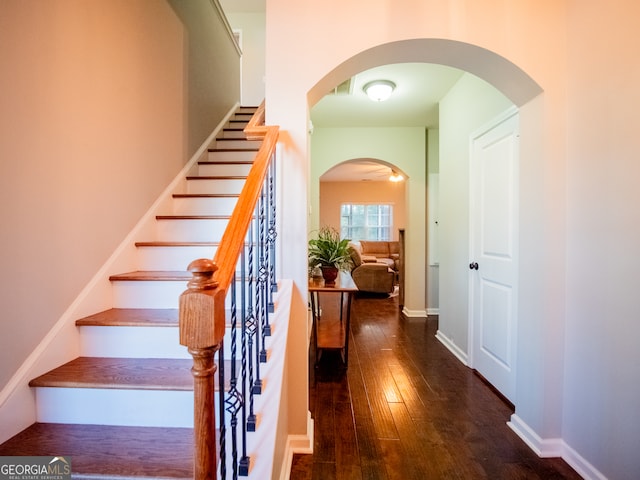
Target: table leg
[[346, 330], [315, 300]]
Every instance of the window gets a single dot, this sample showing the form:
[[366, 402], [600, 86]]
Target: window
[[366, 222]]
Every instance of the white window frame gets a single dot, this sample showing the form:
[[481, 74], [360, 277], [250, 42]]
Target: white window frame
[[346, 231]]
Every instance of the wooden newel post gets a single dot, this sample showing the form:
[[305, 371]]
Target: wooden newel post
[[202, 330]]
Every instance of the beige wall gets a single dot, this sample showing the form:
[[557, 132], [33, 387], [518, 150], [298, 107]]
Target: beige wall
[[99, 112], [334, 194], [602, 389], [252, 26]]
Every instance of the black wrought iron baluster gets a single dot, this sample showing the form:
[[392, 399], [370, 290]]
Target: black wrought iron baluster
[[243, 465], [221, 403], [234, 400], [257, 384], [263, 275], [251, 326], [273, 286]]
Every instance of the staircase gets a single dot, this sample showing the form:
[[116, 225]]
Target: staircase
[[124, 408]]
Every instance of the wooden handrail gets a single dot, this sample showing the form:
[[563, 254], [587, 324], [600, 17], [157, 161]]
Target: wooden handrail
[[202, 305], [235, 234]]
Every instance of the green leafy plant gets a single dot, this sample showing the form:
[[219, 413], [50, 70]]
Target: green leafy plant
[[329, 250]]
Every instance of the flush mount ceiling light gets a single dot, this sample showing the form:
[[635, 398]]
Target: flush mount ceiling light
[[395, 176], [379, 90]]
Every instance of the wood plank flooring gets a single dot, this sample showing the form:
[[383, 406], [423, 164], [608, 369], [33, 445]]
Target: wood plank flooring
[[405, 408]]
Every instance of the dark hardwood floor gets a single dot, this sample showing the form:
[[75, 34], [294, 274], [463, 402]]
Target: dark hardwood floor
[[406, 409]]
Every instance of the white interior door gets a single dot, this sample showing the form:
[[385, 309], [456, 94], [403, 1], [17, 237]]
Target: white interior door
[[494, 263]]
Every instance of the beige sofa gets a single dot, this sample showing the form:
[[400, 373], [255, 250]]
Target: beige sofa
[[381, 252], [371, 276]]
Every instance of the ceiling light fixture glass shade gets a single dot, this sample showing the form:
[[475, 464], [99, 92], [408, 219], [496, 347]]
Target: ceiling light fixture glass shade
[[395, 176], [379, 90]]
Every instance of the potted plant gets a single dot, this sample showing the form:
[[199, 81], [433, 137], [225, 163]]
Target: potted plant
[[329, 252]]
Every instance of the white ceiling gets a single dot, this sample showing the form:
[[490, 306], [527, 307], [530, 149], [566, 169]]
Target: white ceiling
[[414, 103]]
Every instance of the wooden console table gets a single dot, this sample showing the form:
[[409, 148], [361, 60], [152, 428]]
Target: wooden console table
[[332, 320]]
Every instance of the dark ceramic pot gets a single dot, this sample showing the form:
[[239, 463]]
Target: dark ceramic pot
[[329, 274]]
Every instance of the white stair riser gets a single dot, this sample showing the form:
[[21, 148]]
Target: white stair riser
[[238, 124], [171, 258], [233, 134], [144, 408], [215, 186], [241, 143], [147, 294], [191, 230], [217, 155], [204, 205], [131, 342], [222, 169], [123, 407], [151, 294], [140, 342]]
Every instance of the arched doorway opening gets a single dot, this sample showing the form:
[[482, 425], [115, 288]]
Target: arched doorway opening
[[367, 182], [485, 72]]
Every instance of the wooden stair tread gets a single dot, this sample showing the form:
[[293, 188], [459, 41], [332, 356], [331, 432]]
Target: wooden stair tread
[[100, 451], [225, 162], [247, 149], [120, 373], [177, 244], [217, 177], [146, 275], [139, 317], [193, 217], [205, 195], [132, 317]]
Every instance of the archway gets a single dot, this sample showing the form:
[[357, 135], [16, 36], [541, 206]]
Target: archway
[[362, 181], [496, 70], [499, 73]]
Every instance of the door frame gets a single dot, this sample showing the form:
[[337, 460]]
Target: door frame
[[494, 122]]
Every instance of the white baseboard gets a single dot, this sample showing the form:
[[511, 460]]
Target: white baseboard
[[433, 311], [554, 447], [414, 313], [302, 444], [453, 348]]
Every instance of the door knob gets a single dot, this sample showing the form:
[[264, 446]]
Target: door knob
[[473, 266]]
